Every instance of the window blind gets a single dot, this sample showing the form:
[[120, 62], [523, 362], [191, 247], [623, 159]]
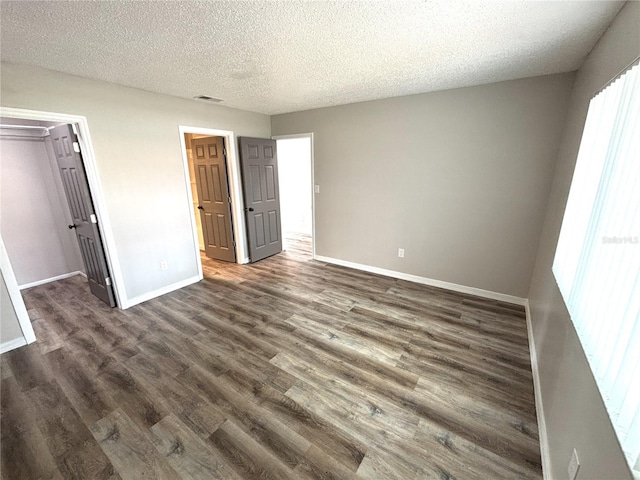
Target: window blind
[[597, 260]]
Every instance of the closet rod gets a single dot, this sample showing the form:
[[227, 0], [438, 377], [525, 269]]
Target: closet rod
[[24, 127]]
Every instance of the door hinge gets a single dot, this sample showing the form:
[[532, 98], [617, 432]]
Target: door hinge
[[229, 199], [108, 281], [74, 127], [76, 147], [93, 218]]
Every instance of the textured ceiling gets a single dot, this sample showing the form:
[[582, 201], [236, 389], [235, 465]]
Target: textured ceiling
[[274, 56]]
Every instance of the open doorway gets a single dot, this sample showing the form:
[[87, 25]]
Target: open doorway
[[212, 179], [295, 174], [209, 180], [49, 223], [46, 235]]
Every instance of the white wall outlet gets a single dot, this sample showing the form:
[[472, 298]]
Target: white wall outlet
[[164, 265], [401, 252], [574, 465], [316, 188]]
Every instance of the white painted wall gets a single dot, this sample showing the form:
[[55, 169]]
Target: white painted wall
[[137, 145], [458, 178], [294, 177], [33, 212], [575, 414]]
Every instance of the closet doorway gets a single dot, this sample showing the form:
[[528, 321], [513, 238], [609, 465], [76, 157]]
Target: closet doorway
[[37, 244], [49, 223]]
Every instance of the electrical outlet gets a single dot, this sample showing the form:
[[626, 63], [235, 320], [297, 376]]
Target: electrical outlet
[[401, 252], [574, 465], [316, 188], [164, 265]]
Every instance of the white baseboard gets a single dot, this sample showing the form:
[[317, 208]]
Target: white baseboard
[[502, 297], [52, 279], [161, 291], [542, 426], [12, 344]]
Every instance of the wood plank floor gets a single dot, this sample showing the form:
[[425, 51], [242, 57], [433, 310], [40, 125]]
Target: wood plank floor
[[288, 368]]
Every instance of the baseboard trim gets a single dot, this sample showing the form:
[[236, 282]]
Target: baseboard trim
[[542, 425], [161, 291], [502, 297], [49, 280], [12, 344]]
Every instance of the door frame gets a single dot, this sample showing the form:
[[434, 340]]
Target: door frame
[[95, 188], [312, 186], [17, 301], [235, 190]]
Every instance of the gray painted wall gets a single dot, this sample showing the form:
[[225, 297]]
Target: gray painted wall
[[458, 178], [573, 408], [137, 145], [33, 211], [9, 325]]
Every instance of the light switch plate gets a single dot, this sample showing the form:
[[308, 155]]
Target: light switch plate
[[574, 465], [316, 188]]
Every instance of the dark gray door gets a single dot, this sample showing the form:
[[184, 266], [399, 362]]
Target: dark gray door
[[85, 223], [261, 196], [210, 164]]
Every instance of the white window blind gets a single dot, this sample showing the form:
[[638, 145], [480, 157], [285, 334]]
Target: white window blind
[[597, 261]]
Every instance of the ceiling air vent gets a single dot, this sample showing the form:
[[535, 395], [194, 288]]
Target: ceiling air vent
[[207, 98]]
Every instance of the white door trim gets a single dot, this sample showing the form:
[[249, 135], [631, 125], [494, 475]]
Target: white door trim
[[95, 185], [313, 195], [17, 301], [237, 202]]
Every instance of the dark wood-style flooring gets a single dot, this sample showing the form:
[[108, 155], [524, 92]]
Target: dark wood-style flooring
[[288, 368]]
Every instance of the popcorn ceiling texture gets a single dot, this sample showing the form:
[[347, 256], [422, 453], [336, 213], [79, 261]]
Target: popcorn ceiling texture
[[276, 57]]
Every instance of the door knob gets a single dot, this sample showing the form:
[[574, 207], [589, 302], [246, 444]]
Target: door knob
[[200, 207], [251, 209], [72, 226]]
